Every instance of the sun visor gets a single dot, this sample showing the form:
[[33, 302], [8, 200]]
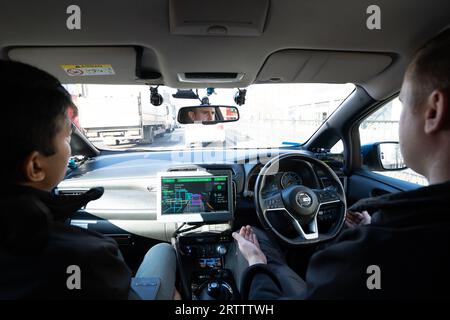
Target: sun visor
[[104, 65], [308, 66], [218, 17]]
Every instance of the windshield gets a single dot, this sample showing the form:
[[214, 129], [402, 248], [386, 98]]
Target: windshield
[[274, 115]]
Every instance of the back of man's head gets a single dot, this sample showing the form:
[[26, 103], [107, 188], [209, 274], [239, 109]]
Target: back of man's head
[[34, 106], [430, 68]]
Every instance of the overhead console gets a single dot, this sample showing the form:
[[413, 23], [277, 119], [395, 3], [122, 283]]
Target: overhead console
[[218, 18]]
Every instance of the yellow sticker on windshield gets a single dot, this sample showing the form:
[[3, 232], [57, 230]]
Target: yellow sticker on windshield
[[75, 70]]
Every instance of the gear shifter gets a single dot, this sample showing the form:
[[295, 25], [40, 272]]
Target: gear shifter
[[216, 290]]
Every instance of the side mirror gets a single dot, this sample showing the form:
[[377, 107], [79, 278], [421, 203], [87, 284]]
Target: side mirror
[[383, 156], [207, 114]]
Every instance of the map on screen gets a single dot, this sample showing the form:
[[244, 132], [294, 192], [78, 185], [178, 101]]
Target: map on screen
[[194, 198]]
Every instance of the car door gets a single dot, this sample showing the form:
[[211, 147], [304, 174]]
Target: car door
[[368, 180]]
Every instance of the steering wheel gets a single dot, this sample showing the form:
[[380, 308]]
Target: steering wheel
[[298, 215]]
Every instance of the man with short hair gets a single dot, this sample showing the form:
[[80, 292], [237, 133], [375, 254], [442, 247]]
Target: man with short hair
[[407, 239], [41, 256]]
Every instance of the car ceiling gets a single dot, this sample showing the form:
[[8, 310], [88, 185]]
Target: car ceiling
[[287, 41]]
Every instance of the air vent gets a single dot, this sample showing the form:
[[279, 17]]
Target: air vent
[[215, 77], [70, 192], [185, 168]]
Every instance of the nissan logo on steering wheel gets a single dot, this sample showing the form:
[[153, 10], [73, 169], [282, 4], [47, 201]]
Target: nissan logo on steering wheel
[[303, 199]]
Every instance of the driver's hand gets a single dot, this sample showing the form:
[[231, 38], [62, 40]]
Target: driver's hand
[[176, 295], [354, 219], [249, 246]]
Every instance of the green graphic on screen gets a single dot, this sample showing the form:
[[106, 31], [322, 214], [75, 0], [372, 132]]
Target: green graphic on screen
[[194, 194]]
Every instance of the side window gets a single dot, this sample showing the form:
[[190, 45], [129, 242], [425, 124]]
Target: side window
[[338, 147], [382, 125]]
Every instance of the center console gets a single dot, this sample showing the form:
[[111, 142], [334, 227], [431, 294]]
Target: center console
[[202, 201], [203, 257]]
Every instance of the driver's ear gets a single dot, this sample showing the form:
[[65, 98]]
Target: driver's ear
[[191, 115], [437, 112], [33, 167]]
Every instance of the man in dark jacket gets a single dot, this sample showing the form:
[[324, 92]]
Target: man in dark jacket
[[40, 255], [405, 250], [38, 250]]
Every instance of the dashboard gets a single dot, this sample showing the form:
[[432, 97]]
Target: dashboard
[[293, 172], [131, 181]]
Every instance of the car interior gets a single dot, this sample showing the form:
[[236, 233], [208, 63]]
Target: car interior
[[194, 198]]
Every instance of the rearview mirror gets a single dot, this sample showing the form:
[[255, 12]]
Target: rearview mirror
[[207, 114]]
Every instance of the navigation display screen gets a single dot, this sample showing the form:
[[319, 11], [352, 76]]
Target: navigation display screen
[[195, 198]]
